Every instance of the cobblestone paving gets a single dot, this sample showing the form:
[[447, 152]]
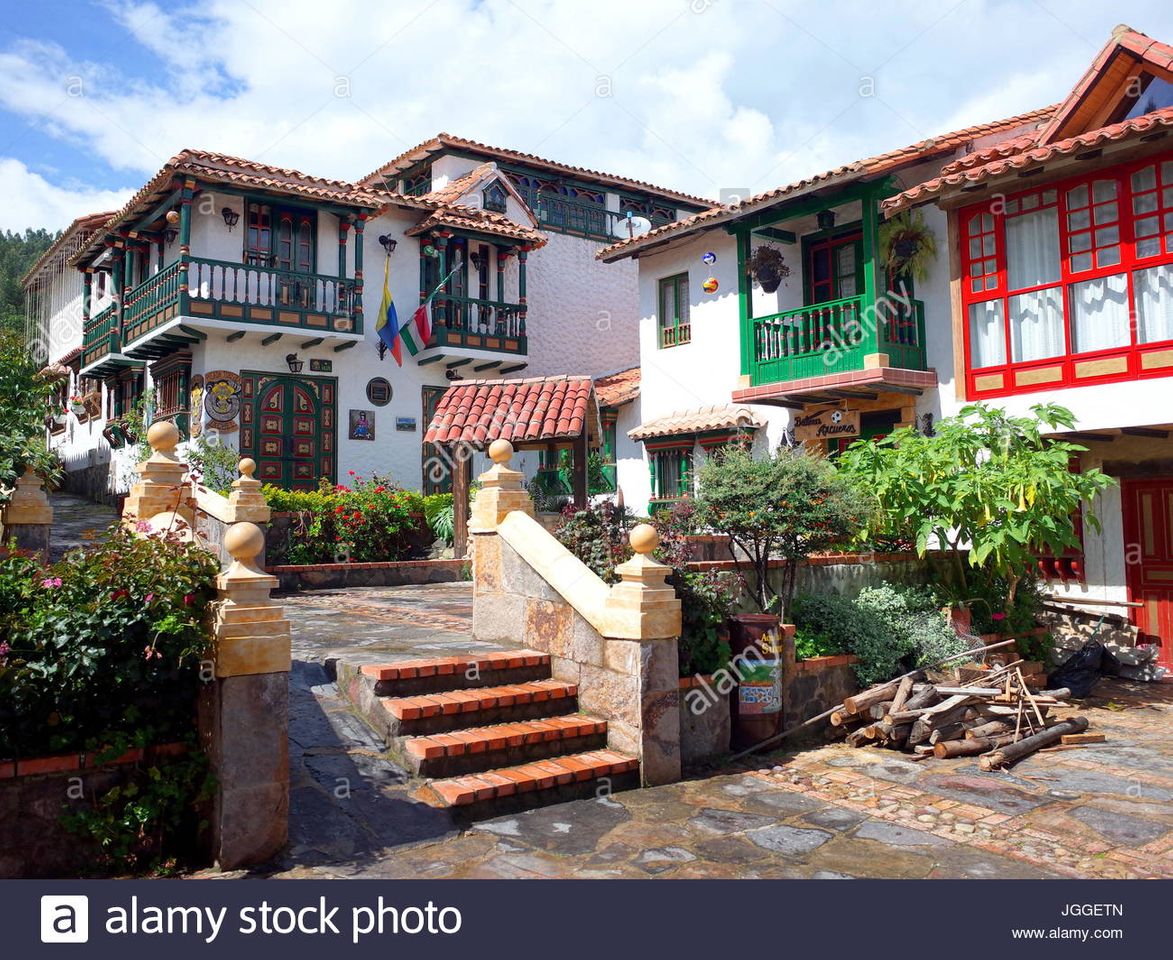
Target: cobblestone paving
[[819, 812], [73, 518]]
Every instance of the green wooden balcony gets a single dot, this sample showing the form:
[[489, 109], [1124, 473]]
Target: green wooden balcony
[[100, 336], [478, 324], [244, 294], [834, 337]]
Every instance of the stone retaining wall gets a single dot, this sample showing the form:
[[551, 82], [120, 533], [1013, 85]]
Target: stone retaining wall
[[394, 573], [34, 794], [816, 685]]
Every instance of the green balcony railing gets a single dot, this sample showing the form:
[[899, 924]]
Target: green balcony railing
[[155, 294], [834, 337], [100, 336], [484, 324]]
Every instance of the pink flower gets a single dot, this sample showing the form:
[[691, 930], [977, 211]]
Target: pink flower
[[50, 582], [188, 599], [998, 616], [148, 598], [149, 652], [143, 526], [351, 472], [4, 648]]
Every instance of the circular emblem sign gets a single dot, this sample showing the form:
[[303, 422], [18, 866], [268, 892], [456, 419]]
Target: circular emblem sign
[[379, 391]]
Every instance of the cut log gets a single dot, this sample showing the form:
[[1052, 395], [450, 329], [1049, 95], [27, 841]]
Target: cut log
[[992, 728], [893, 734], [839, 718], [859, 738], [969, 748], [1016, 751], [922, 750], [878, 694], [949, 731], [1077, 738], [903, 692], [878, 711], [946, 705]]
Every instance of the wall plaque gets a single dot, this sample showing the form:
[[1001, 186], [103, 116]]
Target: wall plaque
[[826, 423], [379, 391], [405, 424]]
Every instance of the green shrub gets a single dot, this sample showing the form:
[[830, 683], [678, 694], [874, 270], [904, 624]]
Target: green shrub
[[104, 642], [441, 516], [852, 629], [216, 464], [809, 642]]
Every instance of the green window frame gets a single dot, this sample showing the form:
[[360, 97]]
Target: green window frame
[[671, 472], [674, 325]]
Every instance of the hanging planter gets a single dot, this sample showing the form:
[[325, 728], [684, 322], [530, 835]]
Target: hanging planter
[[77, 406], [768, 268], [113, 434], [907, 245]]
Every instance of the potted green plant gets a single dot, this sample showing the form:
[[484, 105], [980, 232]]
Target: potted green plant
[[768, 267], [907, 245]]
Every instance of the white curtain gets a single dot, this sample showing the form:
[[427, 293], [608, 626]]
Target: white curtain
[[1154, 303], [1099, 313], [1036, 325], [987, 334], [1032, 249]]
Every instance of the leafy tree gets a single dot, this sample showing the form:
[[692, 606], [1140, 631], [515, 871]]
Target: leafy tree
[[18, 252], [23, 397], [787, 505], [986, 481]]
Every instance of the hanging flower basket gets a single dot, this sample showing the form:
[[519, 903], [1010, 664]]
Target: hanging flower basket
[[907, 245], [768, 268]]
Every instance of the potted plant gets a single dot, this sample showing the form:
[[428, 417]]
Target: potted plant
[[768, 267], [907, 245], [113, 434], [77, 405]]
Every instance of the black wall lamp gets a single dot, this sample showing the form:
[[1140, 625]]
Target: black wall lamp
[[169, 235], [230, 217], [295, 364], [389, 243], [825, 219]]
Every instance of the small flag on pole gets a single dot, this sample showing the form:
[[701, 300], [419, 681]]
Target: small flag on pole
[[387, 326], [422, 318]]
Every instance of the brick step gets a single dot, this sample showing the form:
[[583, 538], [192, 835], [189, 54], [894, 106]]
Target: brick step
[[535, 784], [503, 745], [404, 678], [462, 709]]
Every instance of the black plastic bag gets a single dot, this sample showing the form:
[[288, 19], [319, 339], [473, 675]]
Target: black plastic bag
[[1079, 672]]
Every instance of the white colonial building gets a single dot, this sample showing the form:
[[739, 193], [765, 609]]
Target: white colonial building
[[246, 297], [1052, 281]]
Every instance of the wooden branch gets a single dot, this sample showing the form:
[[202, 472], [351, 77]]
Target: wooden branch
[[903, 692], [1016, 751]]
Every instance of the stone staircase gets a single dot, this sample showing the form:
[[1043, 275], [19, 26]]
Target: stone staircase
[[490, 733]]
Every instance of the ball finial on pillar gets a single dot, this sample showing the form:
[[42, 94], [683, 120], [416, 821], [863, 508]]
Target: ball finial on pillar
[[644, 538], [163, 436], [244, 542], [247, 467], [501, 451]]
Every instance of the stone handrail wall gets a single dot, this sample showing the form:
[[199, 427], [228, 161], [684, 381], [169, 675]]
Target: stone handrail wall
[[244, 705], [26, 515], [618, 643]]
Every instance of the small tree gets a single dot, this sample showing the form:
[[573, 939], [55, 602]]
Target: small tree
[[985, 480], [787, 505], [23, 405]]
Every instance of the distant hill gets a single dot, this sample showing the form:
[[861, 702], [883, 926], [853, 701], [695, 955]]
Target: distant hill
[[18, 252]]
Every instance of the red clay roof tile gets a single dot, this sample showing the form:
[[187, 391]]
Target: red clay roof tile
[[478, 412]]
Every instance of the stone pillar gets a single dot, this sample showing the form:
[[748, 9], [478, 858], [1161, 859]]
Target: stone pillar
[[644, 606], [246, 500], [502, 491], [161, 487], [28, 515], [244, 710]]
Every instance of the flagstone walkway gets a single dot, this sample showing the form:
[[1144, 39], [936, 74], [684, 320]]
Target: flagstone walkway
[[73, 518], [820, 812]]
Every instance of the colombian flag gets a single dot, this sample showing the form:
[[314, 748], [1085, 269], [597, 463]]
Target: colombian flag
[[387, 326]]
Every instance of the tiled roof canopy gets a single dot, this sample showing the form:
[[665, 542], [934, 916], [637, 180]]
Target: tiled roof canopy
[[872, 166], [81, 228], [446, 141], [723, 417], [459, 217], [1089, 117], [616, 389], [533, 410]]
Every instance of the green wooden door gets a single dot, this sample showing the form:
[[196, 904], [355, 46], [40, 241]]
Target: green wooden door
[[290, 428]]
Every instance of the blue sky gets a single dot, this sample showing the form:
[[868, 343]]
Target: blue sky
[[700, 95]]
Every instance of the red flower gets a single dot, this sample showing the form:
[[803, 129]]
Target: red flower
[[380, 489], [351, 472], [188, 599], [119, 594], [998, 616]]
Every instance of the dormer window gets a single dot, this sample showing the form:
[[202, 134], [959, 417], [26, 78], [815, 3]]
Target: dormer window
[[494, 197]]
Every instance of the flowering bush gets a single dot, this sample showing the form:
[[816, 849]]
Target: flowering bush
[[369, 520], [103, 644]]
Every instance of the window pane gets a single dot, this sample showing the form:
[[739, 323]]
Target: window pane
[[1154, 303], [682, 299], [1104, 190], [1099, 313], [1036, 325], [987, 334], [1032, 249], [1144, 179], [1145, 203]]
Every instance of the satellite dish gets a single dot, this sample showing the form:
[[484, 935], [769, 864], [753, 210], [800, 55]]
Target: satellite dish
[[630, 227]]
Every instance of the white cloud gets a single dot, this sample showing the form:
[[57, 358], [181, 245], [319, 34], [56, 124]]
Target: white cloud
[[697, 95], [30, 200]]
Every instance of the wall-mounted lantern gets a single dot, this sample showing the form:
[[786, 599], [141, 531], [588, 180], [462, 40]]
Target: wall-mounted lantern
[[388, 243], [230, 217], [295, 364], [170, 234], [825, 219]]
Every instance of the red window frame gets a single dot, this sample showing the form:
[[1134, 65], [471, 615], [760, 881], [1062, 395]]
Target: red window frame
[[988, 271]]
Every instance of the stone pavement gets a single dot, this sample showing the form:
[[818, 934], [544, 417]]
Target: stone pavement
[[73, 518], [821, 811]]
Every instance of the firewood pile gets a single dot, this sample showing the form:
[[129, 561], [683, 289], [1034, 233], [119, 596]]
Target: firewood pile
[[995, 715]]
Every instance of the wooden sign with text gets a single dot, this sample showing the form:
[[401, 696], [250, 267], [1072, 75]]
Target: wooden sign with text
[[826, 423]]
